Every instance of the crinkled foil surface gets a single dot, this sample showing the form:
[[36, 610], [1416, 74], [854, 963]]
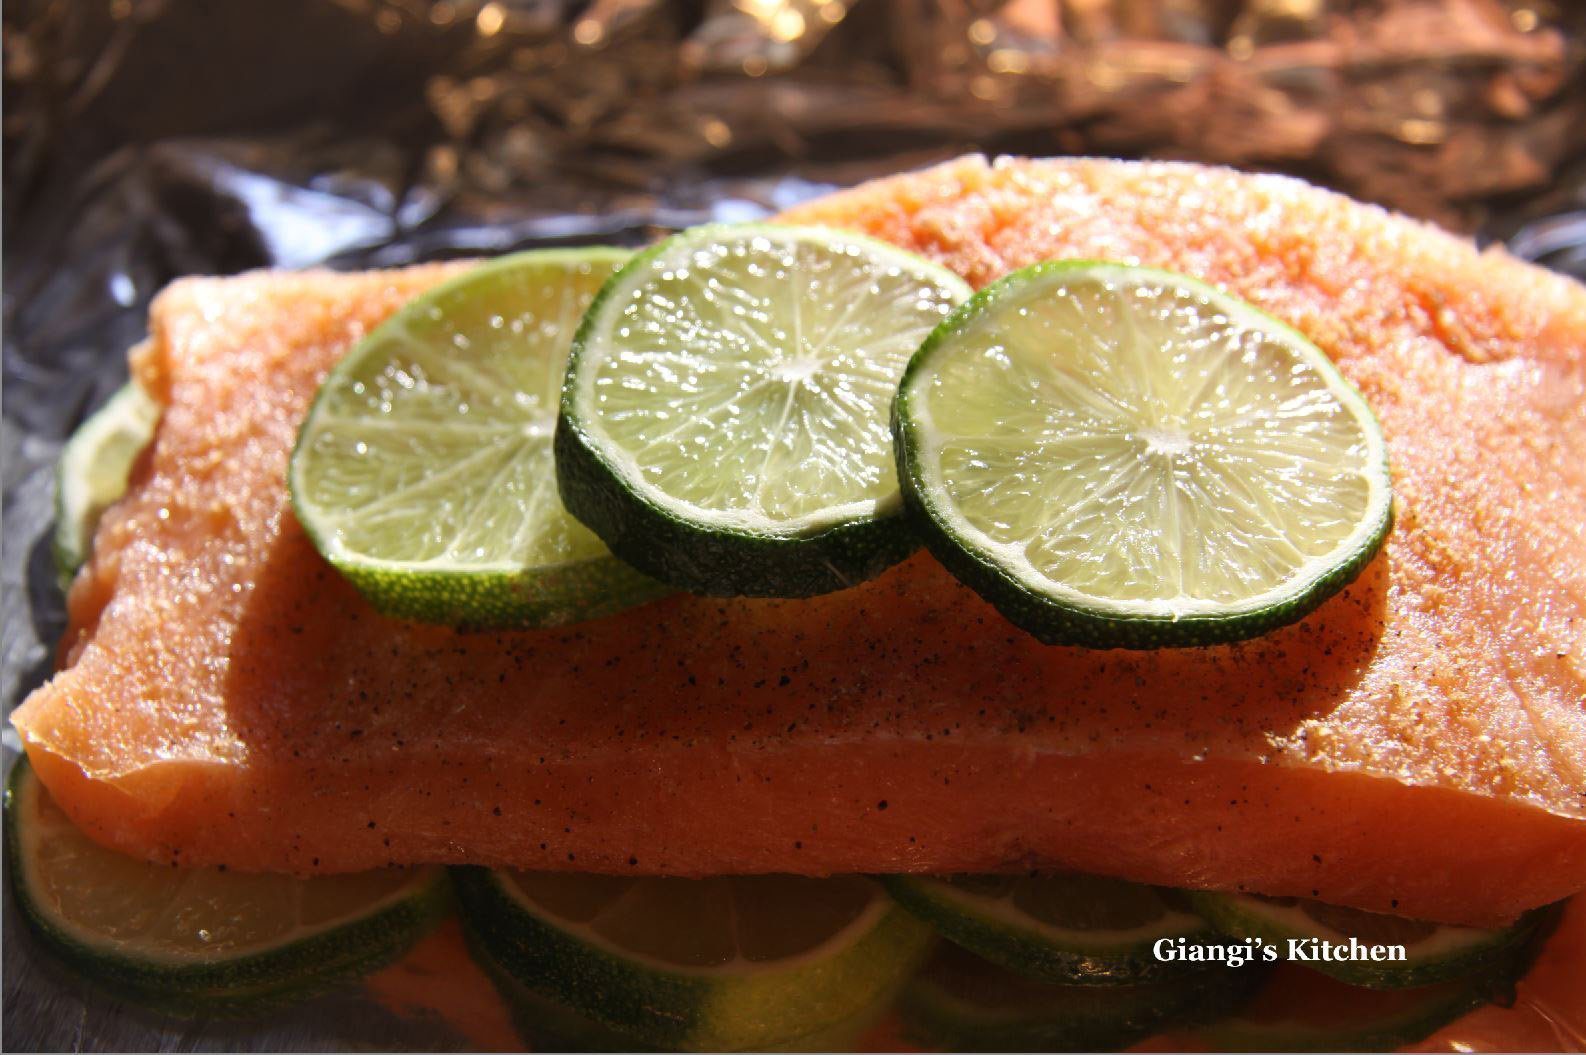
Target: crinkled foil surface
[[147, 139]]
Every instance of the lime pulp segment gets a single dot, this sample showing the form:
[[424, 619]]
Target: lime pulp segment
[[1124, 457], [712, 964], [202, 941], [725, 415], [424, 470]]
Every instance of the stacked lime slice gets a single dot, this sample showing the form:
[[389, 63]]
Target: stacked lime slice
[[963, 1003], [202, 941], [725, 415], [1303, 1010], [1056, 927], [424, 470], [1122, 457], [703, 964], [1433, 952]]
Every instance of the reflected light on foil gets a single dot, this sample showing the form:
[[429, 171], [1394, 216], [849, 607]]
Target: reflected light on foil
[[490, 19]]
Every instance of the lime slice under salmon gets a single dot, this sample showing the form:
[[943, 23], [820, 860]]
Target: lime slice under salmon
[[963, 1003], [1433, 952], [202, 941], [1064, 928], [93, 470], [697, 964]]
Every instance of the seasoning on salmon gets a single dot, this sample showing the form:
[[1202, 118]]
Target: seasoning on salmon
[[1417, 745]]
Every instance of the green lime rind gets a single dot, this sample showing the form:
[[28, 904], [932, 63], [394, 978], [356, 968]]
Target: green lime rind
[[502, 600], [1063, 621], [465, 435], [691, 1009], [546, 1024], [962, 1003], [93, 470], [551, 1026], [1447, 952], [999, 931], [1442, 1005], [717, 563], [659, 536], [244, 985], [1424, 1011]]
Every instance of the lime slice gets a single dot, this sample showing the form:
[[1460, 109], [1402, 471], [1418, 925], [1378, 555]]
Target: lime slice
[[424, 469], [548, 1025], [1301, 1010], [93, 471], [1126, 458], [202, 941], [963, 1003], [1073, 929], [724, 420], [713, 964], [1433, 952]]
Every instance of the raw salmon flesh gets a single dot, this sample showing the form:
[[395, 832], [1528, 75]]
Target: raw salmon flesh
[[1418, 745]]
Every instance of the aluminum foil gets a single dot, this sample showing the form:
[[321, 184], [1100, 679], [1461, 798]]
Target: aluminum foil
[[147, 139], [150, 138]]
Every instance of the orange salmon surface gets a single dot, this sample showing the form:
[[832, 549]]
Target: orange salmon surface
[[1417, 745]]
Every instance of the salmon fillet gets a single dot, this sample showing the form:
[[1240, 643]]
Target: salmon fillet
[[1417, 745]]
